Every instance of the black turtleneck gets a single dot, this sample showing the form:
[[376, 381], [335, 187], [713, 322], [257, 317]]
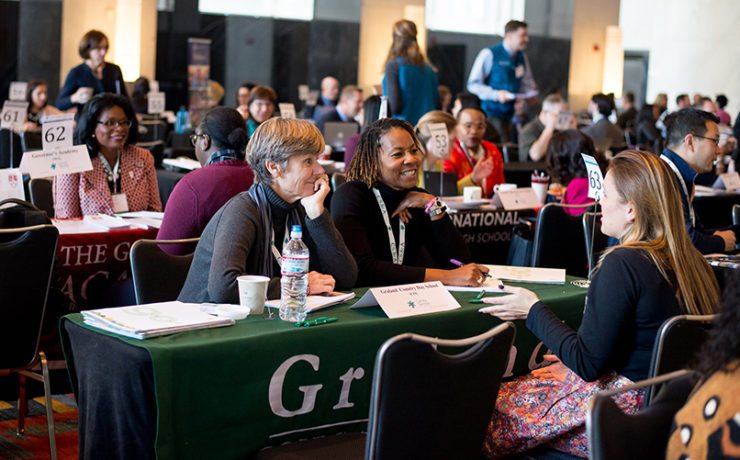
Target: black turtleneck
[[428, 244]]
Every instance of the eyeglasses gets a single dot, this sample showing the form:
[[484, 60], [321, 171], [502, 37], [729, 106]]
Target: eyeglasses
[[194, 138], [713, 139], [113, 123]]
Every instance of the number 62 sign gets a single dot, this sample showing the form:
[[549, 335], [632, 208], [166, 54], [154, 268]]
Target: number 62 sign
[[56, 131]]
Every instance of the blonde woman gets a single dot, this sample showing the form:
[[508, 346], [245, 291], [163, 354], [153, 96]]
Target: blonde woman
[[654, 273], [409, 82]]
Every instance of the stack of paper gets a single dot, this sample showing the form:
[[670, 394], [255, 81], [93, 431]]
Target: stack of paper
[[185, 163], [527, 274], [143, 218], [153, 320], [318, 302], [105, 222]]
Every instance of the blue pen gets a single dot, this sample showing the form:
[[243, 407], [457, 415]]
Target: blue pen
[[460, 264]]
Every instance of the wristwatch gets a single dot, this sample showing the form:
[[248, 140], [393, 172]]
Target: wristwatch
[[435, 207]]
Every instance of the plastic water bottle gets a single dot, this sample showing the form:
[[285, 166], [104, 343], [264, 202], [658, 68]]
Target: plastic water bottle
[[294, 281], [182, 120]]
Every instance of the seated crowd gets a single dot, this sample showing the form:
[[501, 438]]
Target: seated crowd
[[261, 175]]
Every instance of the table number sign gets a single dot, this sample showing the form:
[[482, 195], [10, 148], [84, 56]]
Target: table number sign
[[595, 179]]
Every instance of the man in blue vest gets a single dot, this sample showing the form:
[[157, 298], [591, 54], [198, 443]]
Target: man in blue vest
[[502, 74]]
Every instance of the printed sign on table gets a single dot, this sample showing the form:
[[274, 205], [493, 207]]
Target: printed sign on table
[[595, 179], [409, 299]]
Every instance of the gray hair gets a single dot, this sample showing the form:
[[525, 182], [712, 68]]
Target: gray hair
[[278, 139], [552, 102]]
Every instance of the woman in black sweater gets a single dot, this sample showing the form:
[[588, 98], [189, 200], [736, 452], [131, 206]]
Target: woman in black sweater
[[653, 274], [397, 232]]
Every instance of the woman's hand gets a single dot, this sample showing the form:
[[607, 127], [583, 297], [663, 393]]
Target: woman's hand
[[516, 305], [412, 200], [81, 96], [555, 371], [320, 284], [482, 169], [314, 204], [467, 275]]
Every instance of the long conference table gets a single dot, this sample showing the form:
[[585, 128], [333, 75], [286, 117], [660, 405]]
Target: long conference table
[[228, 392]]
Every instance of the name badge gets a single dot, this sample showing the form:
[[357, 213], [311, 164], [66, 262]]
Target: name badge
[[120, 203], [519, 71]]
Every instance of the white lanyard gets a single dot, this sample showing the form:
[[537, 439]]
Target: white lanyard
[[112, 173], [397, 255], [286, 238], [683, 184]]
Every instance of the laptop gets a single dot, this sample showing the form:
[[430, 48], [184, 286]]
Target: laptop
[[446, 185], [337, 133]]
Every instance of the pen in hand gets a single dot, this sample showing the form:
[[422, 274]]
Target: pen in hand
[[460, 264]]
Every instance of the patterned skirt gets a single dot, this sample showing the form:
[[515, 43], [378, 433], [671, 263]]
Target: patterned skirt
[[531, 412]]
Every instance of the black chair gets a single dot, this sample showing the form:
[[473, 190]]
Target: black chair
[[158, 276], [678, 341], [596, 242], [27, 255], [337, 179], [11, 149], [559, 240], [156, 148], [613, 434], [31, 140], [432, 405], [152, 129], [42, 196]]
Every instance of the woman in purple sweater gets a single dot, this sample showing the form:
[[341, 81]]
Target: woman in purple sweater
[[220, 142]]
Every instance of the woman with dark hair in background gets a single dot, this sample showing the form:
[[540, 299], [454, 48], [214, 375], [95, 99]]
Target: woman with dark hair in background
[[261, 106], [94, 76], [123, 177], [565, 166], [139, 99], [220, 142], [409, 81], [37, 95], [370, 113]]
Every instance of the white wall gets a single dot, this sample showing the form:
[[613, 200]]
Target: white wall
[[694, 46]]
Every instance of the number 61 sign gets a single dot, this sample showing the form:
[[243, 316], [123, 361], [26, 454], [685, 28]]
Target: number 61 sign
[[595, 179], [56, 131]]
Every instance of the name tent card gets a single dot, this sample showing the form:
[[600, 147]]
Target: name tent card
[[731, 181], [14, 115], [439, 134], [11, 184], [57, 131], [595, 179], [47, 163], [287, 110], [155, 102], [17, 91], [517, 199], [409, 299]]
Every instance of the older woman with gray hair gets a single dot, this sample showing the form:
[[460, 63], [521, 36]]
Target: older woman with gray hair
[[247, 234]]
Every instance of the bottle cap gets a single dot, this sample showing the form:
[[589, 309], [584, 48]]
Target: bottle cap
[[295, 230]]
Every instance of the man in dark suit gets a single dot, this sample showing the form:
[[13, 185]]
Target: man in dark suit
[[350, 103], [327, 99], [605, 134]]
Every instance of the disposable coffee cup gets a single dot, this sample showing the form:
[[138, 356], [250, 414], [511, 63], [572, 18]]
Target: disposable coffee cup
[[472, 194], [540, 185], [86, 93], [253, 292]]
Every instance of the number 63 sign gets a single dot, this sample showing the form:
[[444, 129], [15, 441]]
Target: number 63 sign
[[595, 179]]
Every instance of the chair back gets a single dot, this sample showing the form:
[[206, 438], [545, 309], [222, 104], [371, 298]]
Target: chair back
[[151, 130], [158, 276], [559, 240], [678, 341], [11, 149], [736, 214], [612, 434], [31, 140], [156, 148], [431, 405], [27, 255], [337, 179], [42, 196], [596, 242]]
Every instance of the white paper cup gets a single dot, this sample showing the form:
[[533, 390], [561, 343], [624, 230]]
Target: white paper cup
[[87, 93], [503, 187], [540, 188], [472, 194], [253, 292]]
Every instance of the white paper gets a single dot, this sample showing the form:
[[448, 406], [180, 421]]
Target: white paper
[[595, 179], [318, 302], [75, 226], [409, 299], [13, 115], [731, 181], [489, 285], [287, 110], [44, 163], [441, 138], [182, 163], [106, 222], [383, 113], [155, 102], [17, 91], [520, 198], [143, 214], [11, 184], [57, 131], [524, 275], [303, 91]]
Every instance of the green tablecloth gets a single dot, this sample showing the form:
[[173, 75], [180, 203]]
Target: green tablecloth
[[228, 392]]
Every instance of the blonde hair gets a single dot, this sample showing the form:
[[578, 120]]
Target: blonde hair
[[435, 116], [644, 181], [404, 44], [278, 139]]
